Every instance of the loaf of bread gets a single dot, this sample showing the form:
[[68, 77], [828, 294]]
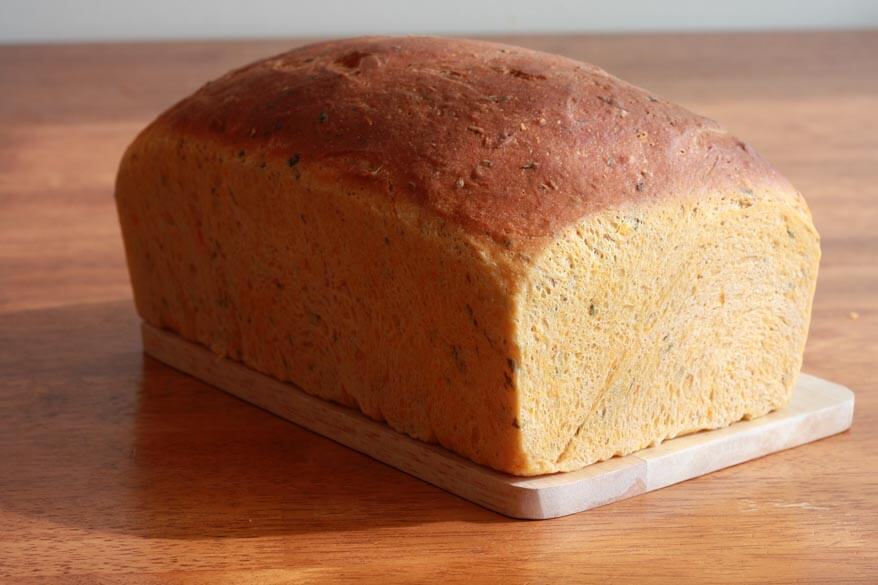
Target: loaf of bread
[[511, 254]]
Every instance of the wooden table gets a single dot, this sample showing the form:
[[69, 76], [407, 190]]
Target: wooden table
[[113, 466]]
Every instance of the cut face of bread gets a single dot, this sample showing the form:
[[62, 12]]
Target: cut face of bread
[[510, 254], [643, 323]]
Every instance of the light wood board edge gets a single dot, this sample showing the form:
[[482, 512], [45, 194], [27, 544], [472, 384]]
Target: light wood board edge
[[818, 409]]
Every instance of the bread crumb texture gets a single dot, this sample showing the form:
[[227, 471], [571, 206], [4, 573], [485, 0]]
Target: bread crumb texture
[[511, 254], [648, 322]]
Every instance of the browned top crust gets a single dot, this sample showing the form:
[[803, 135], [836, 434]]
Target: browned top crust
[[504, 141]]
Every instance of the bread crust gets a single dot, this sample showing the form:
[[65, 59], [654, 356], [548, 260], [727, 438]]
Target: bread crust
[[505, 142]]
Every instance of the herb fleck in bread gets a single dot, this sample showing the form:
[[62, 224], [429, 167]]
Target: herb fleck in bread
[[510, 253]]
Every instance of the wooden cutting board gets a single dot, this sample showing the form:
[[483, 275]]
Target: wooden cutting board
[[818, 409]]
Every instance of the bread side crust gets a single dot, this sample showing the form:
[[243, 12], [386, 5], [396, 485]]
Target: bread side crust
[[353, 297]]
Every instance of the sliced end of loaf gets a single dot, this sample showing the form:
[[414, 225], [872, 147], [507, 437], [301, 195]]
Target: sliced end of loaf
[[646, 322]]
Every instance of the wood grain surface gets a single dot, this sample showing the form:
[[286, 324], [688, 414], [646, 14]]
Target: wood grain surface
[[818, 409], [116, 469]]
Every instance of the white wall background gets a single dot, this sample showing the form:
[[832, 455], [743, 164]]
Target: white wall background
[[103, 20]]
